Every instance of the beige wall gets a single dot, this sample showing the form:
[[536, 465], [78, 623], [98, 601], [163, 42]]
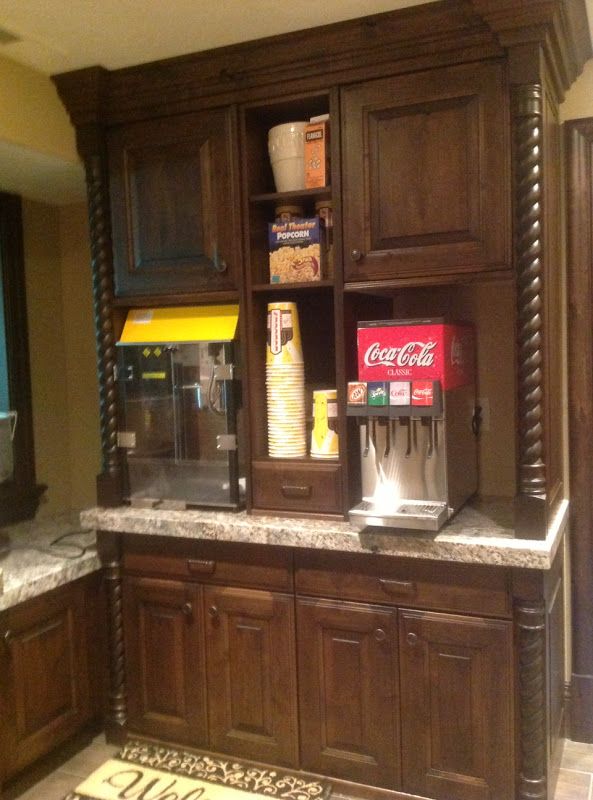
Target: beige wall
[[64, 388], [579, 99]]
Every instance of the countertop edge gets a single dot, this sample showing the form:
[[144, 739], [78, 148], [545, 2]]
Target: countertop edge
[[469, 548]]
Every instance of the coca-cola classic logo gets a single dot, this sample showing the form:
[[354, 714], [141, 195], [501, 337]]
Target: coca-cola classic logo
[[419, 354]]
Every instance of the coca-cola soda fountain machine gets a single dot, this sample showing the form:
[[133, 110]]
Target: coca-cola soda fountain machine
[[415, 399]]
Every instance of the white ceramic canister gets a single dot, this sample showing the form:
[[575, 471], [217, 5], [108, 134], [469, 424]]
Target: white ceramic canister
[[286, 146]]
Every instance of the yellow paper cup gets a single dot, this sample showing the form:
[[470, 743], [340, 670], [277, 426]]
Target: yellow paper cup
[[283, 335], [324, 440]]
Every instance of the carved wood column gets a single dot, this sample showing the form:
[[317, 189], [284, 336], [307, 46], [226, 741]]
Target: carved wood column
[[530, 621], [91, 146], [109, 546], [527, 120]]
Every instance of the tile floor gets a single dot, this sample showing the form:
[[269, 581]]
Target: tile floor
[[58, 774]]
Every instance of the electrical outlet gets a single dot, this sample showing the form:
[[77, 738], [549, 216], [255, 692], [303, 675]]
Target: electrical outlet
[[484, 404]]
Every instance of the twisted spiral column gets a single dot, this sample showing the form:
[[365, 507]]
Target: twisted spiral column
[[530, 624], [101, 261], [528, 160], [117, 711]]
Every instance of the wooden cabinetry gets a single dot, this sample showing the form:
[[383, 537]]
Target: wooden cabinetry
[[348, 691], [426, 174], [175, 222], [48, 659], [456, 707], [165, 659], [212, 665]]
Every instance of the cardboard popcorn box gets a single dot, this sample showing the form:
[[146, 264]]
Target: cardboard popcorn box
[[295, 251], [317, 154]]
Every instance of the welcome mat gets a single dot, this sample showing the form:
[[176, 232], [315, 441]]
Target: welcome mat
[[144, 771]]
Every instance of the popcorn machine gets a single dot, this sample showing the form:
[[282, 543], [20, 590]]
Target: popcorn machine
[[179, 396]]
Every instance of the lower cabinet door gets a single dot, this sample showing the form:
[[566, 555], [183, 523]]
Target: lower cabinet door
[[456, 706], [165, 664], [348, 691], [44, 680], [252, 706]]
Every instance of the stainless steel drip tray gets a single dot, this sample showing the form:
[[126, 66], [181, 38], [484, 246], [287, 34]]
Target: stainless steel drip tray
[[415, 514]]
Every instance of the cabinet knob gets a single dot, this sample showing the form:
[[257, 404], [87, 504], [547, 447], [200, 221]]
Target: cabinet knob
[[355, 255], [213, 611], [380, 635], [412, 638], [7, 638], [187, 609]]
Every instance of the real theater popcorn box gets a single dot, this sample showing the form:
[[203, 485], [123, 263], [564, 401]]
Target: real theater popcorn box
[[295, 251]]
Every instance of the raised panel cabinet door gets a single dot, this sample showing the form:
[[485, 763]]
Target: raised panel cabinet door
[[252, 698], [45, 682], [425, 174], [174, 218], [456, 706], [348, 691], [164, 657]]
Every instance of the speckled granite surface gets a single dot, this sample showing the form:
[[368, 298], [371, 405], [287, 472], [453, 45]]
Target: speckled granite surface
[[33, 566], [480, 534]]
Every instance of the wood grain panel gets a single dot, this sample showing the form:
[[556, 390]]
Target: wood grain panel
[[348, 693]]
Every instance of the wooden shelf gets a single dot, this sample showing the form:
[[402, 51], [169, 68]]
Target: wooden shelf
[[260, 288], [300, 194]]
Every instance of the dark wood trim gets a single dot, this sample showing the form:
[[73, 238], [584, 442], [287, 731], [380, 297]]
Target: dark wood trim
[[579, 172], [19, 497], [92, 149], [527, 117], [109, 547]]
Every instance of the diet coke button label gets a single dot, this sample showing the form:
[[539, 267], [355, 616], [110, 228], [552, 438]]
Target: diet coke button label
[[399, 393]]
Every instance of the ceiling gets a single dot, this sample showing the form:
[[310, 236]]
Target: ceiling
[[56, 36]]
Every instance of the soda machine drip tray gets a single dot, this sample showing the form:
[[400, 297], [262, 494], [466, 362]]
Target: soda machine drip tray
[[416, 514]]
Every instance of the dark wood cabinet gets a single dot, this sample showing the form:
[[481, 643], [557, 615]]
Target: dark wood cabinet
[[456, 707], [175, 213], [48, 689], [165, 661], [348, 691], [251, 674], [426, 174]]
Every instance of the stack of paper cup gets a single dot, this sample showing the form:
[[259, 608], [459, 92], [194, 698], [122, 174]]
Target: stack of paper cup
[[285, 383], [324, 436]]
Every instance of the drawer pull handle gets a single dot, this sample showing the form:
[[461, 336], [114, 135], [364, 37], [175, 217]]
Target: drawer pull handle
[[293, 490], [213, 611], [412, 639], [397, 587], [380, 635], [187, 609], [8, 638], [198, 566]]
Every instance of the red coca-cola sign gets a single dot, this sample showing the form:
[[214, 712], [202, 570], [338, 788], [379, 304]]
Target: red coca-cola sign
[[415, 351]]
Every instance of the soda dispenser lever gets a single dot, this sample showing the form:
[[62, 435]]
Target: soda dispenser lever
[[367, 433], [387, 439]]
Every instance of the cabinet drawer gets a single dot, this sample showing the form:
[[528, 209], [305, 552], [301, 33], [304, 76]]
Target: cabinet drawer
[[297, 487], [219, 562], [422, 584]]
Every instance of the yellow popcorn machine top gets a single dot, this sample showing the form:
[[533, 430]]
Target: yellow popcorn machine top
[[180, 405]]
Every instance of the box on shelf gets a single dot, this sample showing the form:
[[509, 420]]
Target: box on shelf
[[295, 251], [317, 153]]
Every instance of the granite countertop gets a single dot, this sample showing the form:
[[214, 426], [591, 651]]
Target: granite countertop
[[33, 565], [481, 533]]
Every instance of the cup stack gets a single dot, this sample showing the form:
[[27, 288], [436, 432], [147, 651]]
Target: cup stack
[[285, 383]]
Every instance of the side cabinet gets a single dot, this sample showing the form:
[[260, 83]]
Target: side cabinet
[[456, 706], [425, 174], [165, 665], [348, 691], [46, 691], [174, 221]]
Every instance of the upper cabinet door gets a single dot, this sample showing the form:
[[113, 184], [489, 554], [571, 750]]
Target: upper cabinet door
[[426, 174], [174, 204]]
